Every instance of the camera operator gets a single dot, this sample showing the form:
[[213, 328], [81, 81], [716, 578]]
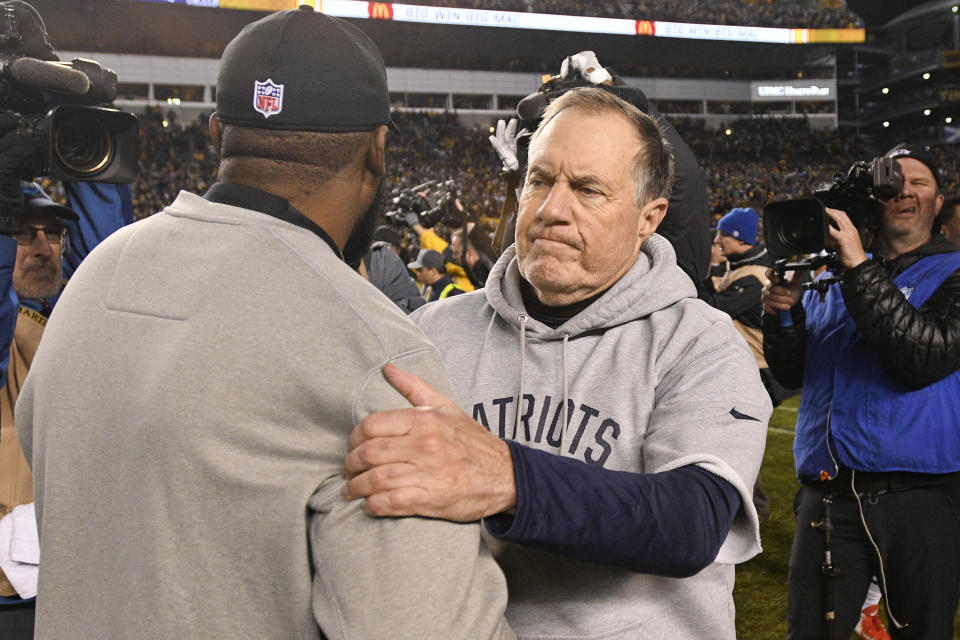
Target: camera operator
[[41, 245], [50, 242], [877, 444], [948, 222], [476, 262], [430, 239]]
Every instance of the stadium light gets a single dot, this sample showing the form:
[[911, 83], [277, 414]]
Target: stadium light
[[174, 101], [885, 90], [165, 124], [728, 132], [926, 112], [948, 119], [886, 123], [926, 76], [954, 8]]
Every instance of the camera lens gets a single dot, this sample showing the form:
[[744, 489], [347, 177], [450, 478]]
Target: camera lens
[[83, 145], [797, 230], [792, 227]]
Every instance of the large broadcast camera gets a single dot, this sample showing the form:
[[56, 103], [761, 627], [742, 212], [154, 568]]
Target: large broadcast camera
[[76, 139], [433, 201], [800, 226]]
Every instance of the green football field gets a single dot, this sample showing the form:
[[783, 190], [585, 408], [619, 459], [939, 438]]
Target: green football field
[[761, 588]]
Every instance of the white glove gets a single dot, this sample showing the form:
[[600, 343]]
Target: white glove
[[586, 65], [505, 144]]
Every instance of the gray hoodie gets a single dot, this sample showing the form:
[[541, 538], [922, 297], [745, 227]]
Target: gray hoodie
[[652, 379]]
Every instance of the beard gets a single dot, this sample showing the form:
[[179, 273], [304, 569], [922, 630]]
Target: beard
[[358, 244], [38, 281]]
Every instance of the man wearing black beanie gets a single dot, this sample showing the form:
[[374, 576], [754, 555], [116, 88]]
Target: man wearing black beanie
[[877, 444]]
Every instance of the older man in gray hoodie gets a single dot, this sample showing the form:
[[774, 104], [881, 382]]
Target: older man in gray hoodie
[[610, 425]]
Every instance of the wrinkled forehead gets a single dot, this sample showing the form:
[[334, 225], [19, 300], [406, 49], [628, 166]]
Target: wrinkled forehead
[[586, 137], [913, 168]]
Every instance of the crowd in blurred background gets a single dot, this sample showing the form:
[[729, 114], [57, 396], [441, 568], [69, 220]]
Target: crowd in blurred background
[[760, 160]]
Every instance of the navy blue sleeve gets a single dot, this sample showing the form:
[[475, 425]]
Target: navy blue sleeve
[[102, 208], [670, 524], [9, 302]]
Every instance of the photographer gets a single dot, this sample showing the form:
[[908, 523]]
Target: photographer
[[429, 239], [877, 444], [948, 222], [41, 245]]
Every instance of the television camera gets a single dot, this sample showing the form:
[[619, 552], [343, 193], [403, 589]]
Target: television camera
[[800, 226], [433, 201]]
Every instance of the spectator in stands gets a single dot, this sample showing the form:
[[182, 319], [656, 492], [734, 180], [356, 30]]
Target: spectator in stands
[[876, 438], [618, 485], [234, 348], [432, 273], [948, 221]]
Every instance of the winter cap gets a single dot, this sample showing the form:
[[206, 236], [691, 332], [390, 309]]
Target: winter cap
[[741, 223], [904, 150], [388, 234], [428, 258], [299, 70], [35, 200]]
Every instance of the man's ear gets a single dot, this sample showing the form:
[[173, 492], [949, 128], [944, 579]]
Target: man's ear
[[651, 214], [376, 160], [215, 133]]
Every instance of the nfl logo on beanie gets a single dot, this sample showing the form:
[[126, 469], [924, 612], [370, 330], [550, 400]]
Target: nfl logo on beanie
[[741, 223]]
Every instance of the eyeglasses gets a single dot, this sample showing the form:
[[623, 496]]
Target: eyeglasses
[[26, 235]]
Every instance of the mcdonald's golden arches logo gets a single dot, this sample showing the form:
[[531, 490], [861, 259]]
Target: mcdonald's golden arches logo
[[645, 28], [381, 10]]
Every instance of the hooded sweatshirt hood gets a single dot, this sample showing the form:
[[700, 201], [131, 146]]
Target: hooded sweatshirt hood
[[631, 297]]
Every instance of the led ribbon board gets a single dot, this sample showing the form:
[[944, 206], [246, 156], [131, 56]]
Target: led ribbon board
[[542, 21]]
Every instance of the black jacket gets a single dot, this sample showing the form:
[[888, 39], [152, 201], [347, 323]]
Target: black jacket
[[742, 299], [917, 346]]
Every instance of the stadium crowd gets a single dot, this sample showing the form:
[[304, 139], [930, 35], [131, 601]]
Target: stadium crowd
[[763, 159], [754, 158]]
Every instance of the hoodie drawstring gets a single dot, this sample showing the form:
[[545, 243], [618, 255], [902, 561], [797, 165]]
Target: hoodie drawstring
[[563, 364], [523, 348], [522, 318]]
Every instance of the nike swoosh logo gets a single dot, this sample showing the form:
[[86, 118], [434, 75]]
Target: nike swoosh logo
[[742, 416]]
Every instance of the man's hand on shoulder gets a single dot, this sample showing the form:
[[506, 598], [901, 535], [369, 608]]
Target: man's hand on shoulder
[[429, 460]]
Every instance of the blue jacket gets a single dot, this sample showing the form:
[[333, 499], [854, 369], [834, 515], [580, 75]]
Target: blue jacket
[[855, 413]]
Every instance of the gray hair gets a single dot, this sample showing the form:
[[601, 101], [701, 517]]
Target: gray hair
[[653, 163]]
